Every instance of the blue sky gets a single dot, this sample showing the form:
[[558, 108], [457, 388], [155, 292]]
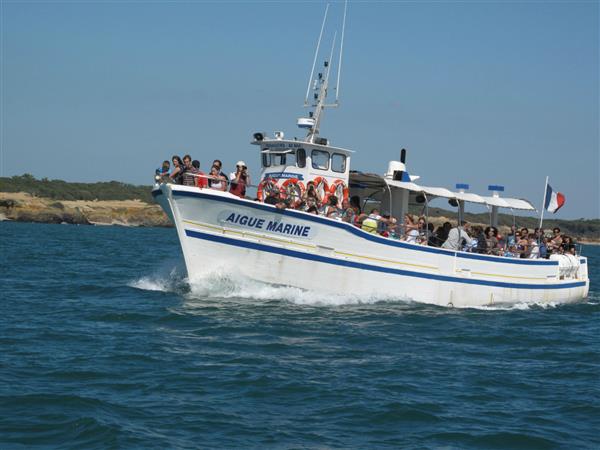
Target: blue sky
[[478, 92]]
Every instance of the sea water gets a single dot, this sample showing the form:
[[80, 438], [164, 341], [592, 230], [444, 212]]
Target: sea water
[[103, 344]]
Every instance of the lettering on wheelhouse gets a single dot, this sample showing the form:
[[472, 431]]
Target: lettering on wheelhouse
[[270, 225]]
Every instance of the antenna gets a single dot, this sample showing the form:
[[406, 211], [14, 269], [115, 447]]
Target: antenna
[[331, 55], [337, 85], [312, 72]]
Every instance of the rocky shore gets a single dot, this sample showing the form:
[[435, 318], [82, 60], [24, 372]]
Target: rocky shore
[[23, 207]]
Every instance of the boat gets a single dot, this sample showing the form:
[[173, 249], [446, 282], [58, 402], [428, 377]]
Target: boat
[[289, 247]]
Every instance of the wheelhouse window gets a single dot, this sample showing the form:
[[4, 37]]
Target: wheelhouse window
[[290, 159], [283, 159], [266, 159], [338, 162], [320, 159], [301, 158]]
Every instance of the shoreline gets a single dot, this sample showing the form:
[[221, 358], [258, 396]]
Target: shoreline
[[24, 207]]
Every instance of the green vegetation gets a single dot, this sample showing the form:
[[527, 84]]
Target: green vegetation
[[62, 190]]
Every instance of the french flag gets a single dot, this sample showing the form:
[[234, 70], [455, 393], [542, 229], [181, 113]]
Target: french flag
[[554, 200]]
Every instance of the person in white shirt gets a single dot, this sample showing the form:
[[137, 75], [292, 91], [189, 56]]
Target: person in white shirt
[[457, 235]]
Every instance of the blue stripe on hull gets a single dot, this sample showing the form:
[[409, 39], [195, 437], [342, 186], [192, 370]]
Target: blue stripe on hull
[[356, 231], [362, 266]]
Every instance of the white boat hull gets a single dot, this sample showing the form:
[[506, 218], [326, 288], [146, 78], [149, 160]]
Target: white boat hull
[[315, 253]]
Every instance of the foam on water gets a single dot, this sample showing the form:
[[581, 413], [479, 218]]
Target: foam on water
[[170, 277], [223, 283]]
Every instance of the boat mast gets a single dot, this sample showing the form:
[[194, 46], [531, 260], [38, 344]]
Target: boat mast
[[320, 84]]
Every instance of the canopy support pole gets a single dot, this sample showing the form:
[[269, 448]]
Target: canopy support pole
[[544, 203]]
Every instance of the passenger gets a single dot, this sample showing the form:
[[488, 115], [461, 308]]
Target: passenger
[[219, 165], [411, 232], [283, 203], [376, 214], [441, 234], [512, 236], [556, 240], [446, 227], [382, 223], [273, 198], [511, 252], [491, 242], [458, 237], [331, 209], [313, 210], [188, 172], [239, 180], [515, 238], [422, 228], [370, 222], [309, 203], [567, 245], [543, 247], [409, 224], [163, 171], [391, 230], [348, 213], [431, 240], [500, 243], [216, 181], [355, 204], [201, 178], [311, 192], [534, 248], [480, 246], [523, 246], [176, 174], [541, 242]]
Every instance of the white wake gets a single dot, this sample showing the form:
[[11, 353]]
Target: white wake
[[221, 283], [224, 283]]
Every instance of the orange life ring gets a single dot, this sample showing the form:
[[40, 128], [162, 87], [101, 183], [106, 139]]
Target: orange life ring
[[266, 186], [339, 187], [321, 183], [294, 189]]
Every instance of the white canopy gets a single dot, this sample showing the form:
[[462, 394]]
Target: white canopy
[[412, 186], [502, 202], [507, 202]]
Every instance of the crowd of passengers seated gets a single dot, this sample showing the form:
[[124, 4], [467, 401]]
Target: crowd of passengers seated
[[518, 243]]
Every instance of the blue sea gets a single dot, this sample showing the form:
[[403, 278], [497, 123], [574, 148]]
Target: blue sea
[[103, 344]]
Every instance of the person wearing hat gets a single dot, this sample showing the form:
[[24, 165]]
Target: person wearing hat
[[239, 179]]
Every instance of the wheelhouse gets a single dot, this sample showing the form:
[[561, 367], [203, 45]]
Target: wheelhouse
[[305, 161]]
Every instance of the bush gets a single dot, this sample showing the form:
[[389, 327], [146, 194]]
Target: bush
[[61, 190]]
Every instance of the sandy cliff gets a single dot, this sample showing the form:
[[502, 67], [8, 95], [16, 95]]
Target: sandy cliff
[[23, 207]]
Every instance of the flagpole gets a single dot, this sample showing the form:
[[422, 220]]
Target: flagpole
[[544, 202]]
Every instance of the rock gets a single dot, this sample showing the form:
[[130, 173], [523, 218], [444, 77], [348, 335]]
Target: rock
[[23, 207]]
